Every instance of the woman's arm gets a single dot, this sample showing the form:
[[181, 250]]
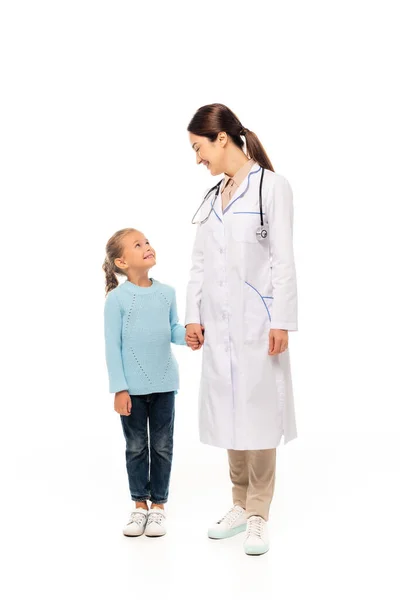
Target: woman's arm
[[193, 295], [194, 329], [280, 220]]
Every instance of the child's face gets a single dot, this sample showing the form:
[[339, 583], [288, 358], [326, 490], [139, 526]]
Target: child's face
[[137, 253]]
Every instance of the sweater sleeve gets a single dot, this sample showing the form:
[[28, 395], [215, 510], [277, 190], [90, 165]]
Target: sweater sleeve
[[113, 342], [178, 331], [280, 219]]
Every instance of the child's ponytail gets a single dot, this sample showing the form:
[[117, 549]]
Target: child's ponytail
[[111, 279], [114, 249]]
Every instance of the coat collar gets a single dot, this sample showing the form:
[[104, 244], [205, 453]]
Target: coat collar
[[240, 175], [243, 187], [241, 191]]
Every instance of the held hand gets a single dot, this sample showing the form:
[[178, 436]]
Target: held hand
[[278, 341], [123, 403], [194, 343], [194, 335]]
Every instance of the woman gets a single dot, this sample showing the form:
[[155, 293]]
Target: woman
[[242, 295]]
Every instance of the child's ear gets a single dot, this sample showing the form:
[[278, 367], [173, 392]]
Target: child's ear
[[120, 263]]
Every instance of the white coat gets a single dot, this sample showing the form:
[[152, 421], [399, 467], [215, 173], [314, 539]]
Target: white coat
[[240, 288]]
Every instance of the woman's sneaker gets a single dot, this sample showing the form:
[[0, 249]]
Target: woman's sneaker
[[232, 523], [136, 523], [256, 541], [156, 523]]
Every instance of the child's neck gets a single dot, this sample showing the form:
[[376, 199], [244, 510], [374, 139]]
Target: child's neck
[[140, 279]]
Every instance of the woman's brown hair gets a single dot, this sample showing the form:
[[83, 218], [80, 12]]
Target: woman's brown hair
[[211, 119], [114, 249]]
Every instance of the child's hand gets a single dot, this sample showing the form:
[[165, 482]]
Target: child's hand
[[195, 330], [123, 403], [194, 335]]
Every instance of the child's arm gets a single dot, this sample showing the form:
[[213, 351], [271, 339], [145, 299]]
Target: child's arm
[[178, 331], [113, 339]]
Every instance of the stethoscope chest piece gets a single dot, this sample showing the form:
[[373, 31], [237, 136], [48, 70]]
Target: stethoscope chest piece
[[262, 233]]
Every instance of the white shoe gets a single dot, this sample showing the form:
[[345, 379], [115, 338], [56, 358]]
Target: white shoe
[[156, 523], [136, 523], [232, 523], [256, 541]]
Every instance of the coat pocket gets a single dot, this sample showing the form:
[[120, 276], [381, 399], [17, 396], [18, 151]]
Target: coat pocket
[[245, 226], [257, 312]]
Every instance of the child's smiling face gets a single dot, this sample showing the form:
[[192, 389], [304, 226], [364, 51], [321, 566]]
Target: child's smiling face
[[137, 254]]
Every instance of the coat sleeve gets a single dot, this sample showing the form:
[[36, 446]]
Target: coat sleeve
[[178, 331], [280, 220], [113, 341], [193, 295]]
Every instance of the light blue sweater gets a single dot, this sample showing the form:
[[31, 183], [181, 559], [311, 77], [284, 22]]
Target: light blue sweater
[[139, 324]]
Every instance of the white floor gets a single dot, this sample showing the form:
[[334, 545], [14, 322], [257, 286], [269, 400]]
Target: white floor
[[334, 525]]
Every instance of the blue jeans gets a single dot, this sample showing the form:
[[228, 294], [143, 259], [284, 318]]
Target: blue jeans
[[149, 479]]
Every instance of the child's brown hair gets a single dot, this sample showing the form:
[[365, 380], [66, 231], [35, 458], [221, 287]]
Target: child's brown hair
[[114, 249]]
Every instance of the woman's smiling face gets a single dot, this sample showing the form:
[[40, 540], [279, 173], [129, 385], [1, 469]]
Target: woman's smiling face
[[210, 154]]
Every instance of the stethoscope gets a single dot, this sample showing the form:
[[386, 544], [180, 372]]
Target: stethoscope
[[261, 232]]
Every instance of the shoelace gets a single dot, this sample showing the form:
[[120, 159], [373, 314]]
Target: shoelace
[[231, 516], [255, 527], [155, 518], [137, 518]]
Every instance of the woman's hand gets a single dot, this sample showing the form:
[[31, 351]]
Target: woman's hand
[[278, 341], [193, 343], [194, 336], [123, 403]]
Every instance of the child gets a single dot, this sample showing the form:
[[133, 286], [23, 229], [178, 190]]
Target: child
[[141, 321]]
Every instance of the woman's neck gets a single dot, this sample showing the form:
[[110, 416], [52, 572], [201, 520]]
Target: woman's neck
[[140, 279], [235, 160]]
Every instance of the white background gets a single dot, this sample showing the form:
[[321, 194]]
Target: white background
[[95, 101]]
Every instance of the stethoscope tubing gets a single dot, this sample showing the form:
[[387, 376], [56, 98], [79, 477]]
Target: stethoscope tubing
[[262, 233]]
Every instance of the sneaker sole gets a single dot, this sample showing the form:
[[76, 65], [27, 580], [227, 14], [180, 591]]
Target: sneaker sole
[[133, 534], [255, 551], [222, 535], [155, 535]]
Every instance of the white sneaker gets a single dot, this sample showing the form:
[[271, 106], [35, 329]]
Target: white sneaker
[[136, 523], [232, 523], [156, 523], [256, 541]]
